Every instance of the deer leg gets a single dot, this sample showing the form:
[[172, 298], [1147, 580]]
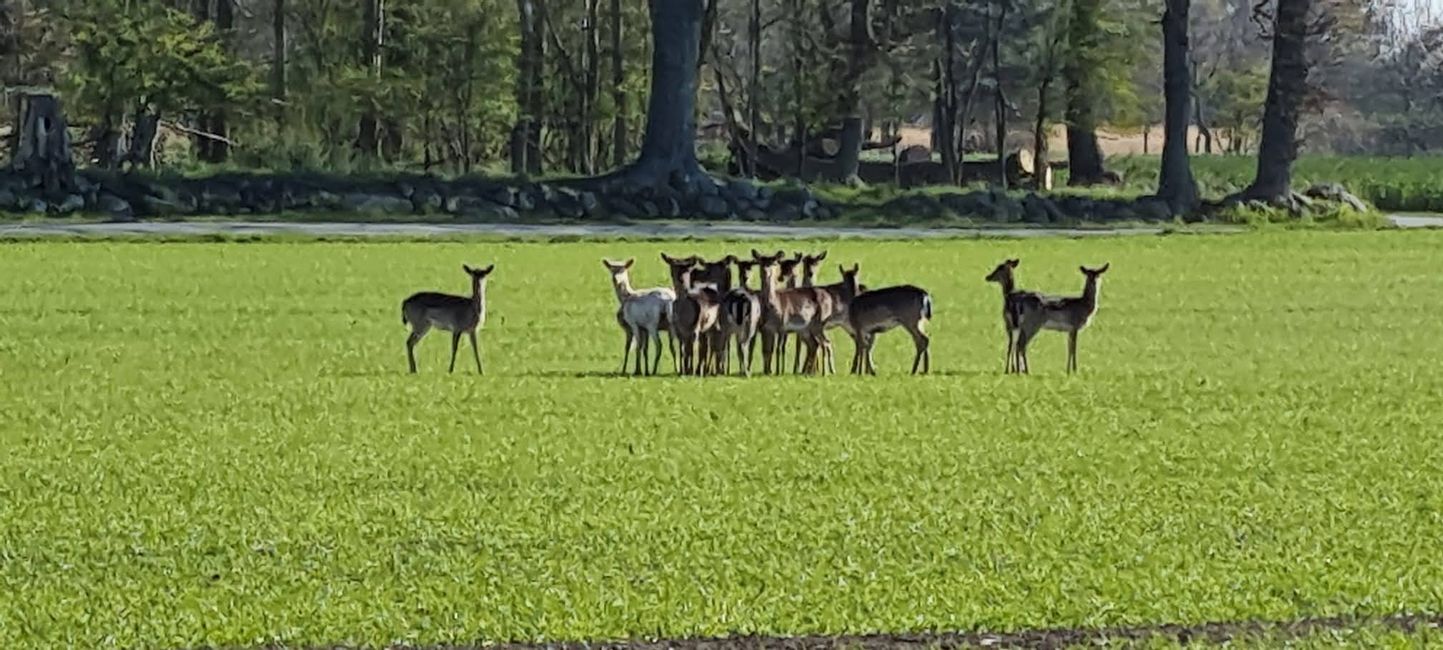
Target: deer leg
[[1072, 351], [476, 352], [626, 354], [871, 363], [655, 337], [455, 343], [769, 347], [411, 342], [1011, 341]]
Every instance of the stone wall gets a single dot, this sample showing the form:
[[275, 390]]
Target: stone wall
[[136, 196]]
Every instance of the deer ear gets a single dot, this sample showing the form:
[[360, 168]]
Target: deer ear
[[489, 269], [756, 255], [1013, 262], [729, 259], [666, 259], [856, 268], [466, 268], [1104, 268], [822, 256], [629, 262]]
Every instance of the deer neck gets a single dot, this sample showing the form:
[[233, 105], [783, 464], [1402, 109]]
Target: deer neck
[[1090, 290], [622, 285], [478, 295], [680, 284], [768, 294], [1008, 285]]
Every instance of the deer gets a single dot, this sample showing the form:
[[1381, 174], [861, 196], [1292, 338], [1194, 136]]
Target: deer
[[456, 314], [717, 276], [742, 314], [842, 294], [787, 276], [809, 266], [693, 314], [802, 310], [876, 311], [643, 314], [1070, 314], [1012, 297]]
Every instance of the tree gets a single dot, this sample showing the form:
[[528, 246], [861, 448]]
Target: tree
[[1287, 85], [1175, 183], [668, 146], [1081, 72]]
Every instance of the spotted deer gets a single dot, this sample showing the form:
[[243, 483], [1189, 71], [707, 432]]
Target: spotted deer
[[455, 314], [1004, 275], [742, 314], [693, 314], [643, 314], [879, 310], [801, 310], [1070, 314]]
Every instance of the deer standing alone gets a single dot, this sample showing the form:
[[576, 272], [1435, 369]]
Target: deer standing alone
[[874, 312], [1012, 298], [643, 314], [1070, 314], [801, 310], [456, 314]]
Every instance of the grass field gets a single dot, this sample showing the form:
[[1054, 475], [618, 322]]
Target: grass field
[[216, 444]]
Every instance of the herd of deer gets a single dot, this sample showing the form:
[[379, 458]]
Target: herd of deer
[[704, 313]]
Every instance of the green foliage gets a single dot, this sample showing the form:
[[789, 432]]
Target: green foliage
[[145, 56], [225, 433]]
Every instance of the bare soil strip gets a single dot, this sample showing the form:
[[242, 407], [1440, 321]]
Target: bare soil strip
[[1045, 639]]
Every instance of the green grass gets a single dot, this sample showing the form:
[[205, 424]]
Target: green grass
[[215, 444]]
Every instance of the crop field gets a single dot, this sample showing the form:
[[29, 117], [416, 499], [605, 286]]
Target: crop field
[[217, 444]]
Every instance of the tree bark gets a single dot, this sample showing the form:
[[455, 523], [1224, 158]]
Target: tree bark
[[526, 134], [668, 147], [1176, 184], [42, 152], [212, 121], [1084, 156], [754, 84], [141, 152], [368, 140], [278, 61], [618, 90], [593, 87], [999, 97], [859, 48], [1287, 84], [945, 126]]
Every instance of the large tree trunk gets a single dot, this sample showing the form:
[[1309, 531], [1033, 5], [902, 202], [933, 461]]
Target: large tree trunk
[[217, 150], [849, 151], [278, 60], [618, 89], [1176, 184], [42, 153], [368, 132], [1287, 84], [142, 139], [668, 146], [1084, 156]]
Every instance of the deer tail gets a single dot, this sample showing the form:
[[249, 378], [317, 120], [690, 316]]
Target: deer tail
[[927, 306]]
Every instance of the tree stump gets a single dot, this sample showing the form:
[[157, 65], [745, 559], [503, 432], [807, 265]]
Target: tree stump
[[42, 154]]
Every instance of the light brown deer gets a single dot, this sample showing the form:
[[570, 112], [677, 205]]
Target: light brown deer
[[742, 314], [455, 314], [787, 276], [643, 314], [1070, 314], [802, 310], [874, 312], [809, 266], [1012, 297], [693, 314]]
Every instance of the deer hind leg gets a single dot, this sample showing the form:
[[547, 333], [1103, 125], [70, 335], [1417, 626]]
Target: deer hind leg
[[417, 331], [1072, 351], [857, 348], [1011, 351], [626, 354], [455, 343], [636, 339], [922, 343], [654, 337], [869, 361]]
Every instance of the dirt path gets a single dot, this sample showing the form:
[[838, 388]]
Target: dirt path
[[40, 229]]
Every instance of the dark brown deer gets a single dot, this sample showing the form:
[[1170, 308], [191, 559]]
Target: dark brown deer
[[1070, 314], [455, 314], [693, 314], [874, 312], [742, 314], [1004, 275]]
